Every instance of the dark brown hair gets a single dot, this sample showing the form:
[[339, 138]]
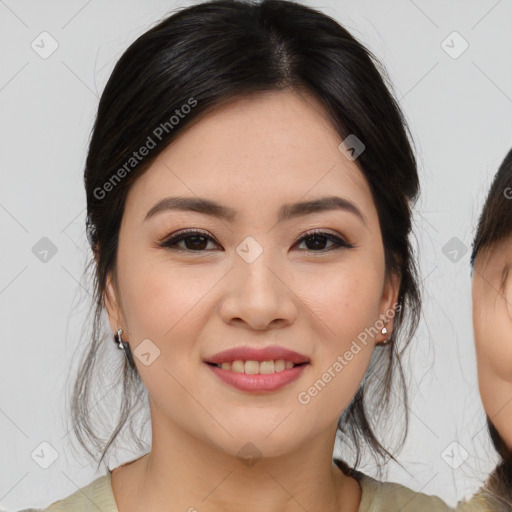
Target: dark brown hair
[[203, 57], [495, 223]]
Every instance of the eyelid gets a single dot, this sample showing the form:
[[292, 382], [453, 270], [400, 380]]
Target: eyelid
[[183, 233], [325, 233]]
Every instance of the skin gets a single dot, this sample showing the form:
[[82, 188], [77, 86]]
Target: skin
[[492, 322], [253, 155]]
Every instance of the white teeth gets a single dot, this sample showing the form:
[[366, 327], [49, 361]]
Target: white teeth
[[237, 366], [254, 367], [279, 365]]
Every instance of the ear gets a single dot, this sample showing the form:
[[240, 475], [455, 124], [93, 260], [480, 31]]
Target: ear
[[111, 301], [389, 305]]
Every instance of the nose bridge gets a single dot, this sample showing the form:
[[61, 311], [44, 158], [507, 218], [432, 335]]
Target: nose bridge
[[256, 292], [253, 266]]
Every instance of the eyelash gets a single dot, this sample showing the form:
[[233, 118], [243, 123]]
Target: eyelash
[[172, 241]]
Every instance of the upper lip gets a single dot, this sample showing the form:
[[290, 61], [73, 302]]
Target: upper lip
[[270, 353]]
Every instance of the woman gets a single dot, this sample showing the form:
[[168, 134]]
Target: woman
[[249, 186], [491, 262]]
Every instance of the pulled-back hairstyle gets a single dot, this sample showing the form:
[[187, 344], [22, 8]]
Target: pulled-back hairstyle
[[194, 61], [495, 223], [494, 226]]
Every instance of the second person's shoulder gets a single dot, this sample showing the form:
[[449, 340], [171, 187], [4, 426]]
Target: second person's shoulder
[[389, 496]]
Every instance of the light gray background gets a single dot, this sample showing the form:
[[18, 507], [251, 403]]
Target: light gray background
[[459, 110]]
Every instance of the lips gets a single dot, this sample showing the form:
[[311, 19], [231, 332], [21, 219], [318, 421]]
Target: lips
[[257, 354]]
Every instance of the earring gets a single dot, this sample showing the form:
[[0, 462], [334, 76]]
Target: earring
[[118, 340], [384, 331]]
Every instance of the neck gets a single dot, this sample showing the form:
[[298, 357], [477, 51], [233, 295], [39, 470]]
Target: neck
[[191, 474]]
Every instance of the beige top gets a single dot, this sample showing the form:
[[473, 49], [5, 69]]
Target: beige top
[[376, 496]]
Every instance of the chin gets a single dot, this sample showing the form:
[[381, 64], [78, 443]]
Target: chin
[[254, 443]]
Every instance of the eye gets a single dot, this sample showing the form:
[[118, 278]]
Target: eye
[[196, 241], [318, 239]]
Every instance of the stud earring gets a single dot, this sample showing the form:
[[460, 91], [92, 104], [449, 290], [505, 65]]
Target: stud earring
[[384, 331], [118, 340]]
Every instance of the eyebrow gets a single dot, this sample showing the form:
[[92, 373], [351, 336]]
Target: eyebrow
[[286, 212]]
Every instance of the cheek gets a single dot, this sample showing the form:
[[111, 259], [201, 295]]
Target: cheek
[[493, 338], [346, 298], [497, 401], [165, 303], [346, 310]]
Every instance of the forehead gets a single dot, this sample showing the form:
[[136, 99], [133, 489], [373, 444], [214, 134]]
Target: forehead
[[262, 150]]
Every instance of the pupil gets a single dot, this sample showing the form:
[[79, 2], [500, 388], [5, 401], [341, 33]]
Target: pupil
[[195, 238], [318, 241]]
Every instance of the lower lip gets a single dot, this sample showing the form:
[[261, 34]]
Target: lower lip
[[259, 381]]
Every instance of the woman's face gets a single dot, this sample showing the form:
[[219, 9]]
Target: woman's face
[[492, 321], [251, 281]]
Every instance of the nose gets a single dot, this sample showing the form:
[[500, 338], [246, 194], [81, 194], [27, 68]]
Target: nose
[[257, 294]]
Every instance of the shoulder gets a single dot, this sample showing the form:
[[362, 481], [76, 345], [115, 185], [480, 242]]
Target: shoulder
[[477, 502], [377, 496], [485, 501], [93, 497]]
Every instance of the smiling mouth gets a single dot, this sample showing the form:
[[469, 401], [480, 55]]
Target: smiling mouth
[[257, 367]]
